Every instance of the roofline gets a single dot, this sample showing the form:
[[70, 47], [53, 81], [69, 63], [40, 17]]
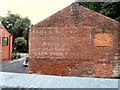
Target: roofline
[[100, 14], [80, 6], [6, 30], [51, 15]]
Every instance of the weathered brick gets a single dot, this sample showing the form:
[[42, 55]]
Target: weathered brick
[[5, 51], [82, 45]]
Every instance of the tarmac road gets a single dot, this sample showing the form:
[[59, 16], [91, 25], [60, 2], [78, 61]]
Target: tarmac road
[[15, 66]]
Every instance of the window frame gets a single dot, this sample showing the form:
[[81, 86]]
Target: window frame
[[4, 42]]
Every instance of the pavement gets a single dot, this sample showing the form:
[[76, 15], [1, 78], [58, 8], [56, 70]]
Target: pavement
[[17, 80], [15, 66], [14, 75]]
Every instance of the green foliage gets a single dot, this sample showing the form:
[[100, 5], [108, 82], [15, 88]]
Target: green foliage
[[118, 18], [110, 9], [16, 24], [16, 56], [21, 44], [25, 34]]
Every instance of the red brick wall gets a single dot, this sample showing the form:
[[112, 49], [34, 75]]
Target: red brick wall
[[7, 50], [70, 51], [64, 44], [85, 17]]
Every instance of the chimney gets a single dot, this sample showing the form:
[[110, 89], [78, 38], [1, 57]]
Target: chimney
[[75, 7], [75, 12]]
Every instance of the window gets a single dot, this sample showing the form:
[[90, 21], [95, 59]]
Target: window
[[4, 41]]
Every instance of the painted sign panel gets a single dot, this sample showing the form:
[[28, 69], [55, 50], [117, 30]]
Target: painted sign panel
[[103, 39]]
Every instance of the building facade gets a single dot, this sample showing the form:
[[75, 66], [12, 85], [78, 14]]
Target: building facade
[[0, 44], [75, 41], [5, 44]]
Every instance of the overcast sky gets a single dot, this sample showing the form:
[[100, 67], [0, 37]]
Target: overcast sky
[[35, 10]]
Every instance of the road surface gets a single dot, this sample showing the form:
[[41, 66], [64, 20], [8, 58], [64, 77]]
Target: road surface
[[15, 66]]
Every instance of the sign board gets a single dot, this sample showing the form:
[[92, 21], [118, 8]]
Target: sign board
[[103, 39]]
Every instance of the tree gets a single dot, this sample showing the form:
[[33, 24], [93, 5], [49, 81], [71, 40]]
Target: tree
[[21, 44], [15, 24], [25, 34], [109, 9]]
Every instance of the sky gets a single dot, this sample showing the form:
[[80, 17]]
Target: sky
[[35, 10]]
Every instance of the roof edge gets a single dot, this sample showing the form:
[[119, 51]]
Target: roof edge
[[115, 21], [100, 14], [6, 30]]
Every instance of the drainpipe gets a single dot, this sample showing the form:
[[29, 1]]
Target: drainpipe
[[1, 41], [10, 47]]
